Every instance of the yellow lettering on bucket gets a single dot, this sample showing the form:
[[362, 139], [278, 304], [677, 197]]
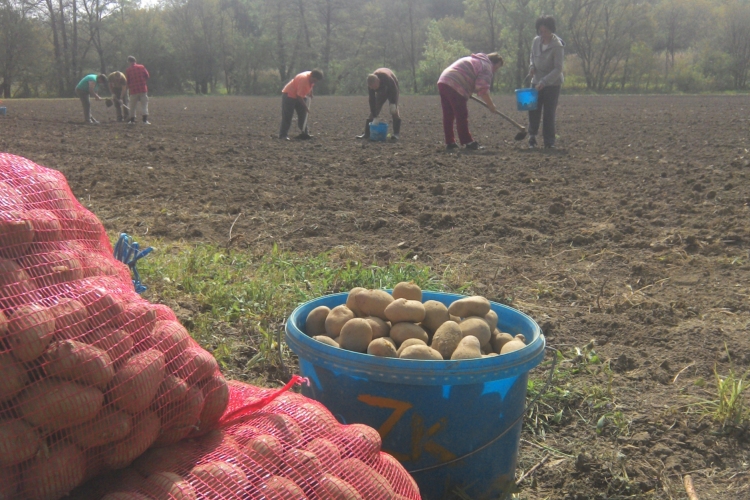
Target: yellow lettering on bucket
[[399, 407]]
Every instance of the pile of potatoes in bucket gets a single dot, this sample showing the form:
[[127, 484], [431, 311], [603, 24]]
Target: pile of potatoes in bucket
[[402, 326]]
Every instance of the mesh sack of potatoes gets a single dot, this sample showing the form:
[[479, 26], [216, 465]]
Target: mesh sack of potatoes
[[91, 375], [271, 445]]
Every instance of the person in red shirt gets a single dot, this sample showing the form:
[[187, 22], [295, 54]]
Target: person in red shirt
[[295, 97], [137, 76]]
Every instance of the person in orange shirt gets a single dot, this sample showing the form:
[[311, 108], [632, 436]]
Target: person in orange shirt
[[295, 97]]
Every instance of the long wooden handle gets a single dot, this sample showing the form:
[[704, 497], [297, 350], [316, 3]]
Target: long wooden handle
[[511, 120]]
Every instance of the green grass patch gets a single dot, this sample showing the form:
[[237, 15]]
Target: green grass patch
[[235, 302]]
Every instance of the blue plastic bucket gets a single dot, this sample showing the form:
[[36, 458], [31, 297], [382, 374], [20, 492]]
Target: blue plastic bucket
[[527, 99], [378, 131], [451, 424], [3, 110]]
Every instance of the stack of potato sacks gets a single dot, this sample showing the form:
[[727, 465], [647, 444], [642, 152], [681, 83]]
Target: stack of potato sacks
[[91, 375], [400, 325]]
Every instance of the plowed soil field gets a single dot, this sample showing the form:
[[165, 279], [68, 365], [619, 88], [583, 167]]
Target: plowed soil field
[[629, 245]]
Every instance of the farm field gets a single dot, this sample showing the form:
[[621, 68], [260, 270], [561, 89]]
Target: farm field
[[629, 245]]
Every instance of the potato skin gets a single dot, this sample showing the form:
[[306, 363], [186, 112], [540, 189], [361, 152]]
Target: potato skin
[[513, 345], [56, 404], [356, 335], [476, 327], [79, 362], [327, 340], [446, 339], [421, 352], [281, 488], [13, 376], [331, 487], [51, 476], [170, 485], [137, 382], [403, 331], [499, 339], [30, 330], [402, 310], [146, 428], [383, 347], [351, 301], [373, 303], [18, 442], [108, 426], [491, 318], [315, 324], [436, 313], [379, 327], [406, 343], [468, 348], [407, 290], [220, 476], [470, 306], [215, 400], [336, 320]]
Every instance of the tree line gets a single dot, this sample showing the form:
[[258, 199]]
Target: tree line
[[252, 47]]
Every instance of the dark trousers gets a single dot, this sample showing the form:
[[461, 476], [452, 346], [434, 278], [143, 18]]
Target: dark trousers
[[122, 113], [454, 110], [84, 96], [547, 106], [288, 107]]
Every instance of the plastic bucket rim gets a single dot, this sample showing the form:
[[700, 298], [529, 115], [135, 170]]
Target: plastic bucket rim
[[417, 372]]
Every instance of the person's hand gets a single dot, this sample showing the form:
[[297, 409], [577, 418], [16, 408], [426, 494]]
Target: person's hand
[[540, 85], [97, 98], [532, 72]]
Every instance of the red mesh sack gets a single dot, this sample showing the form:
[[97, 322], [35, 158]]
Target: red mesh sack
[[91, 375], [272, 445]]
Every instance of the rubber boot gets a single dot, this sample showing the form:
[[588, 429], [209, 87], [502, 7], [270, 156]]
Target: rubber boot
[[366, 135], [396, 128], [145, 120]]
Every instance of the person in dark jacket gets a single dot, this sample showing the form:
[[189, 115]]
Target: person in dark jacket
[[383, 86], [546, 70]]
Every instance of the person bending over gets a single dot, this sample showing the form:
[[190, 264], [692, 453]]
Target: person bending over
[[383, 86], [296, 96]]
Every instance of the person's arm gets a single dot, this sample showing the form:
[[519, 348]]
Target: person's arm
[[92, 91], [124, 91], [374, 111], [488, 101], [532, 68]]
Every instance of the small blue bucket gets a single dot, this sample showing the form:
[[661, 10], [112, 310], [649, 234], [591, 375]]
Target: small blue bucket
[[451, 424], [527, 99], [3, 110], [378, 131]]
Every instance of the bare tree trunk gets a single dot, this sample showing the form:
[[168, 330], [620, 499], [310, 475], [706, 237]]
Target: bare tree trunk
[[59, 64]]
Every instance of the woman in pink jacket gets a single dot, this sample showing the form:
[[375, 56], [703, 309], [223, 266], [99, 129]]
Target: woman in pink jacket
[[468, 75]]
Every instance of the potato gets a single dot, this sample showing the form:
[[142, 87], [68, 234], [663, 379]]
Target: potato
[[30, 330], [408, 291], [52, 475], [359, 441], [110, 481], [47, 226], [285, 428], [468, 348], [79, 362], [327, 340], [406, 343], [315, 324], [171, 391], [108, 426], [180, 419], [103, 305], [435, 315], [16, 233], [499, 339], [336, 319], [178, 458], [356, 335], [120, 454], [351, 301], [169, 485], [369, 483], [327, 452], [470, 306], [219, 477], [56, 404], [9, 477], [513, 345], [15, 284], [136, 383], [171, 338], [402, 310], [18, 442], [383, 347], [71, 319], [421, 352], [13, 376], [446, 338], [264, 449], [117, 343], [379, 327], [53, 267], [194, 365], [316, 417], [139, 320], [403, 331], [301, 466], [491, 318], [476, 327], [281, 488], [373, 302], [490, 355], [215, 400], [332, 488]]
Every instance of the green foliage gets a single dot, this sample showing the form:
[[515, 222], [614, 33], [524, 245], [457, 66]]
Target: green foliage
[[439, 53]]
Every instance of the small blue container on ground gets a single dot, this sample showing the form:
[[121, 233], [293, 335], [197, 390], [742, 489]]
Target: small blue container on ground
[[527, 99], [378, 131], [451, 424], [3, 110]]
